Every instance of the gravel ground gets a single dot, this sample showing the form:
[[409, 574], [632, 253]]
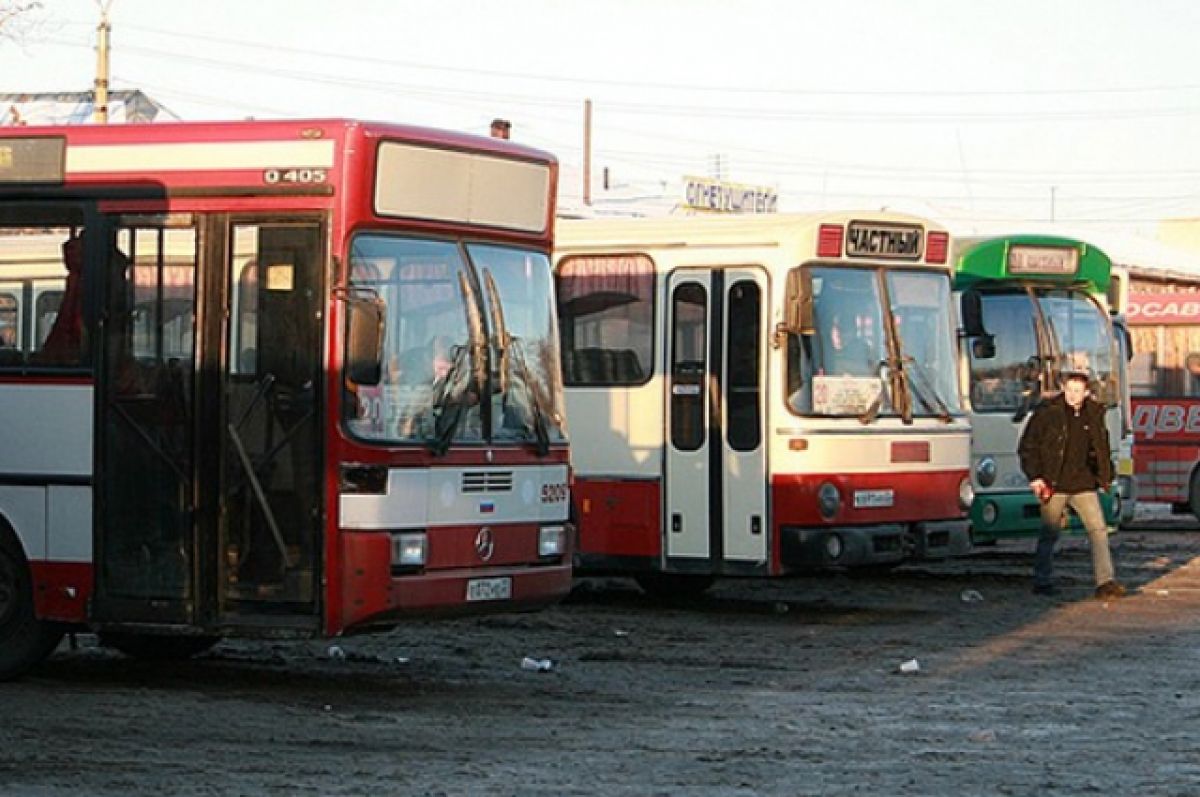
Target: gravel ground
[[789, 687]]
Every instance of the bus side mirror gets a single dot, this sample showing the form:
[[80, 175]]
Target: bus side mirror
[[984, 347], [364, 364], [798, 303], [972, 314]]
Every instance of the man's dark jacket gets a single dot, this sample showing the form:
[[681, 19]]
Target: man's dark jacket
[[1044, 441]]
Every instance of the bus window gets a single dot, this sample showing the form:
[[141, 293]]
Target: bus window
[[606, 317], [428, 367], [10, 324], [848, 349], [689, 365], [920, 304], [1166, 361], [742, 366], [1081, 329], [998, 383], [527, 388]]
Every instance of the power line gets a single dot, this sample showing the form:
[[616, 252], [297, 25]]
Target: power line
[[643, 84]]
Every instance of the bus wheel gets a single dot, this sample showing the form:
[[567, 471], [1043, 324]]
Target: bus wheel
[[157, 647], [24, 639], [1194, 494], [673, 586]]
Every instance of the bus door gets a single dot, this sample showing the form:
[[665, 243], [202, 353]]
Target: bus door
[[743, 453], [146, 464], [715, 492], [270, 499]]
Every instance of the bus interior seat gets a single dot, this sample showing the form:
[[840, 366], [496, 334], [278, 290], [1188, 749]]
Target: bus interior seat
[[588, 366], [626, 367]]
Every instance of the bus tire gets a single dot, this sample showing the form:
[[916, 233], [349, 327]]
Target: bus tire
[[1194, 493], [24, 640], [157, 647], [674, 586]]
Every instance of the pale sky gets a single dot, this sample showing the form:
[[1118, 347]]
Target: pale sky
[[974, 112]]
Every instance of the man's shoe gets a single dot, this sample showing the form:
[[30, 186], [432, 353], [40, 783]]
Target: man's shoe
[[1109, 590], [1045, 589]]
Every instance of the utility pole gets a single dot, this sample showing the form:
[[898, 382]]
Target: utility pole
[[1053, 189], [587, 152], [718, 168], [100, 100]]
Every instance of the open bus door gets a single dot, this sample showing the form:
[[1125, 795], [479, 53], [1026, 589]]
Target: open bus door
[[715, 472], [208, 477]]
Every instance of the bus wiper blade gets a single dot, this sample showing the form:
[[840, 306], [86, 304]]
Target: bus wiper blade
[[924, 388], [1027, 402], [871, 413], [449, 402], [538, 416]]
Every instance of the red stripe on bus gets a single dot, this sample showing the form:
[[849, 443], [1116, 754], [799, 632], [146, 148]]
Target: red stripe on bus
[[371, 595], [618, 517], [926, 495]]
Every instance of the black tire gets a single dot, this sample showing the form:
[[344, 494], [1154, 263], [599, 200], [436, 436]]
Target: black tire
[[675, 587], [1193, 503], [24, 640], [157, 647]]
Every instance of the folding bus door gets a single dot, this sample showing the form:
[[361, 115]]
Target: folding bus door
[[743, 453]]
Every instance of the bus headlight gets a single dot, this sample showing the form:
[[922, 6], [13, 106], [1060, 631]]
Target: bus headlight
[[409, 549], [990, 512], [1125, 487], [966, 493], [551, 541], [985, 472], [829, 500]]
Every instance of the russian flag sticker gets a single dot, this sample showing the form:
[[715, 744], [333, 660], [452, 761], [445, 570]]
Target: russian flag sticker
[[487, 507]]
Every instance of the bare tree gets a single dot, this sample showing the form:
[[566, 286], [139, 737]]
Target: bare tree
[[18, 19]]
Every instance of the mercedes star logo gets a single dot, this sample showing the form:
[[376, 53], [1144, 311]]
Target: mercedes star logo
[[485, 546]]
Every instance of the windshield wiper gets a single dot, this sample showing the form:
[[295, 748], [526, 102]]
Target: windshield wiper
[[511, 350], [466, 377], [538, 415], [924, 388], [871, 413]]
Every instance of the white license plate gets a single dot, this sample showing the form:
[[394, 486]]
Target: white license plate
[[489, 589], [864, 499]]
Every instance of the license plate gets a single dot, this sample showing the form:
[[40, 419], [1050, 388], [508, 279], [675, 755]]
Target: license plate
[[489, 589], [865, 499]]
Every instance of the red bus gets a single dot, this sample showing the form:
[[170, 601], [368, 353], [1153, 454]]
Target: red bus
[[293, 378], [1165, 385]]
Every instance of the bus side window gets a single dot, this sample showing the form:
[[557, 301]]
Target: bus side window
[[64, 344], [10, 328]]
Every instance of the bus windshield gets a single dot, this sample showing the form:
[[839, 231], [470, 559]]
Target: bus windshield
[[1078, 336], [843, 368], [527, 398], [438, 358]]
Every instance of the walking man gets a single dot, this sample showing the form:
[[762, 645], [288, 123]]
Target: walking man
[[1064, 452]]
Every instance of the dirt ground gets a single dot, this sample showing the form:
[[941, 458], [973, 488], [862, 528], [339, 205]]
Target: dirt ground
[[786, 687]]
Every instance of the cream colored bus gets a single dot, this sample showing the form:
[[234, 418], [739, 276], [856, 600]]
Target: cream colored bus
[[760, 395]]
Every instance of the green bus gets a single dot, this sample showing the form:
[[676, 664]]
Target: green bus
[[1029, 307]]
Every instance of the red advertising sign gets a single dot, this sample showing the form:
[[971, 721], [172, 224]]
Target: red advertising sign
[[1174, 420], [1163, 308]]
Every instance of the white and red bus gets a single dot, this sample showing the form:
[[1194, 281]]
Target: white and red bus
[[1165, 383], [721, 426], [290, 378]]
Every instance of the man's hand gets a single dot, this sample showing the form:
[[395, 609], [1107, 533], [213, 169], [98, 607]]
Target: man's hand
[[1040, 489]]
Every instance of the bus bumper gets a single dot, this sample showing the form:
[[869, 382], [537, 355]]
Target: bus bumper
[[866, 546], [1018, 515]]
